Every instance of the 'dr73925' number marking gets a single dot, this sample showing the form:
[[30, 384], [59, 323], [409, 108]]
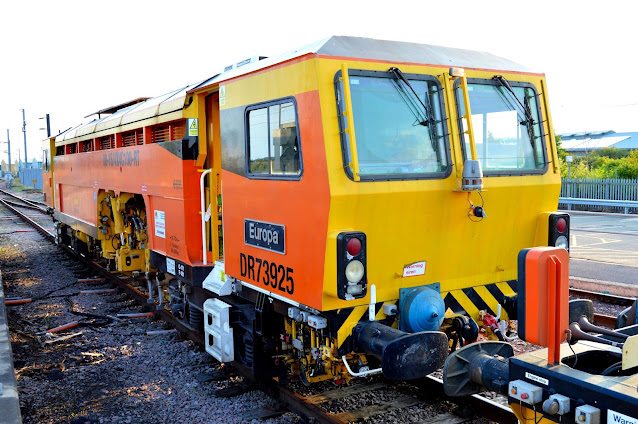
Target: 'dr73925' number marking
[[270, 274]]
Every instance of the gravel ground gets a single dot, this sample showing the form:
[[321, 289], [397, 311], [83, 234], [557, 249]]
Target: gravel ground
[[113, 372]]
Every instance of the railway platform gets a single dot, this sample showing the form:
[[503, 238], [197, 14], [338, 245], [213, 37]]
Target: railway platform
[[9, 404]]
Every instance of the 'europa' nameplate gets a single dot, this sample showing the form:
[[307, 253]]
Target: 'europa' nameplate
[[265, 235]]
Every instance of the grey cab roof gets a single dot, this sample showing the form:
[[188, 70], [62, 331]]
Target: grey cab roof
[[383, 50], [336, 46]]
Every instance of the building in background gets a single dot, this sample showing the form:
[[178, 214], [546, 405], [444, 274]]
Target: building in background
[[584, 143], [4, 167]]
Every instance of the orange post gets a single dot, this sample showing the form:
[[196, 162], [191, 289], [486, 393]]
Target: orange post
[[544, 298]]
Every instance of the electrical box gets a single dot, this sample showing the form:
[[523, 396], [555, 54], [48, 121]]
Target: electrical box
[[587, 414], [556, 405], [525, 392], [317, 322]]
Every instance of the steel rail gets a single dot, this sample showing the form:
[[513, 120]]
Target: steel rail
[[29, 202], [163, 313], [28, 220], [297, 404], [484, 407], [135, 293], [605, 320], [603, 297], [28, 206]]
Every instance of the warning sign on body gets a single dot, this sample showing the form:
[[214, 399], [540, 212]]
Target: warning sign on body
[[222, 95], [193, 130], [416, 268]]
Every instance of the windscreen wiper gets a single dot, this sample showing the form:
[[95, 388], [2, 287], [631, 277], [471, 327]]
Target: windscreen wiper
[[529, 119], [429, 120], [527, 110], [429, 116]]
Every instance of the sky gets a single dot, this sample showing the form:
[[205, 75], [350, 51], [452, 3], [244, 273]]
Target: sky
[[71, 58]]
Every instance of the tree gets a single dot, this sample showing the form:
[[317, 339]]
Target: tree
[[562, 153], [610, 152]]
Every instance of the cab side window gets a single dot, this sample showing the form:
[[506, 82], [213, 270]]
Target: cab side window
[[45, 160], [273, 140]]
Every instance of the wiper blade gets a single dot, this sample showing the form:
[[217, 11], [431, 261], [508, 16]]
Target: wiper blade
[[529, 119], [429, 117], [527, 110]]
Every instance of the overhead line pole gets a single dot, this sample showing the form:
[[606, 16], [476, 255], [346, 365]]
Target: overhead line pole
[[48, 128], [24, 132], [9, 150]]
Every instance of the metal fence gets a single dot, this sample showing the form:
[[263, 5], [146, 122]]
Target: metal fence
[[612, 190], [31, 177]]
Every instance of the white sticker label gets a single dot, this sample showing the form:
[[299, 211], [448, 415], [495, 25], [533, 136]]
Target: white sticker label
[[160, 224], [170, 266], [207, 215], [417, 268], [617, 417], [222, 95], [537, 379]]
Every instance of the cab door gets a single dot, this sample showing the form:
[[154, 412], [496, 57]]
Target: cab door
[[48, 152], [213, 182]]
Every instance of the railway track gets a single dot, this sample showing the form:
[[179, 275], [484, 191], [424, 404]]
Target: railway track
[[608, 321], [319, 405]]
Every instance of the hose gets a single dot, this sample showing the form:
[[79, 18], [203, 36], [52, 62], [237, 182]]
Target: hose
[[612, 368]]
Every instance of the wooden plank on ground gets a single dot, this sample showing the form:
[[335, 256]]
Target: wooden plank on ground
[[447, 418], [343, 392], [372, 410], [262, 413]]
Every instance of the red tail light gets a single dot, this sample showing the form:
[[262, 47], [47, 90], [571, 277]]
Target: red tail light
[[559, 230], [353, 246], [561, 225], [351, 266]]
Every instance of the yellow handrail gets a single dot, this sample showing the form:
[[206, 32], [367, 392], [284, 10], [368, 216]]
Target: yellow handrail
[[468, 116], [350, 130]]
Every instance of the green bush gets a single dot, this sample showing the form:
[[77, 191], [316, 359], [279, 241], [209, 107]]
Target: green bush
[[605, 163], [610, 152]]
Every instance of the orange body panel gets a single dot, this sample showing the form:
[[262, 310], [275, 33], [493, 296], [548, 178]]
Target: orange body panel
[[305, 219], [47, 187], [168, 184]]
